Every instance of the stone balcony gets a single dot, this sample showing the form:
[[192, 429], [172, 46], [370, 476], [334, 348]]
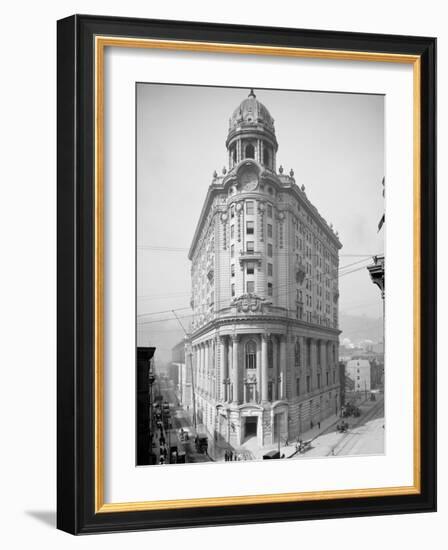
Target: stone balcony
[[250, 256]]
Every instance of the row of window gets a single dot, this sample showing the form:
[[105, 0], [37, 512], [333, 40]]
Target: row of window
[[250, 229], [250, 249], [250, 288], [250, 269], [318, 385], [248, 152], [250, 209]]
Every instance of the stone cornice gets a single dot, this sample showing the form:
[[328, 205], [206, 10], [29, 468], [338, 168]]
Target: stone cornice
[[316, 331]]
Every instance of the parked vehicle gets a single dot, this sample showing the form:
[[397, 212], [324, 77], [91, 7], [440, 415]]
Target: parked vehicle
[[303, 446], [342, 427], [350, 410], [201, 442], [271, 454], [181, 457]]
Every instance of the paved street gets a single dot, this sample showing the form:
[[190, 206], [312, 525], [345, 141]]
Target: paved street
[[179, 418], [365, 435]]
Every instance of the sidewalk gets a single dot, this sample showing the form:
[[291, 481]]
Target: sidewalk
[[326, 426], [311, 434]]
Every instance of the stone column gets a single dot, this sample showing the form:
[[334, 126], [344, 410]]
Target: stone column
[[199, 371], [302, 352], [230, 367], [224, 367], [258, 398], [324, 355], [283, 367], [236, 378], [275, 368], [314, 363], [295, 371], [207, 368], [264, 367], [203, 368]]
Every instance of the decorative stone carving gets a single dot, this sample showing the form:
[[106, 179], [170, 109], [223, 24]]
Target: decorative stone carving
[[249, 303], [251, 378]]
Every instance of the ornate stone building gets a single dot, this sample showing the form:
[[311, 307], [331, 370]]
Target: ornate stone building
[[264, 341]]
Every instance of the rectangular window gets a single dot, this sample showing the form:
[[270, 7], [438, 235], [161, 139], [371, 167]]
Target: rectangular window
[[232, 270], [270, 250], [232, 251], [250, 286], [269, 289], [233, 289], [250, 247], [232, 211], [328, 378], [249, 207], [269, 270], [232, 231], [318, 380], [269, 211], [269, 230], [297, 386], [250, 268], [250, 228], [308, 384]]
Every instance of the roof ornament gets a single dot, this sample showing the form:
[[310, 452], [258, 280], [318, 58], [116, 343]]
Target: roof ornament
[[251, 93], [291, 172], [281, 169], [215, 174], [224, 170], [303, 188]]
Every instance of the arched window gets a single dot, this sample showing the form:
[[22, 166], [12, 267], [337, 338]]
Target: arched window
[[266, 157], [297, 353], [251, 355], [249, 151]]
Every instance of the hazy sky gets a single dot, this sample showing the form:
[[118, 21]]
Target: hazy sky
[[335, 144]]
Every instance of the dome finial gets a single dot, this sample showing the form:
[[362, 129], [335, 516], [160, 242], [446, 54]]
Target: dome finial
[[252, 94]]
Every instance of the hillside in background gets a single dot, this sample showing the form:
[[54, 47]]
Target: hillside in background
[[359, 327]]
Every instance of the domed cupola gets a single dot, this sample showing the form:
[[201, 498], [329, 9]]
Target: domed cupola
[[252, 134]]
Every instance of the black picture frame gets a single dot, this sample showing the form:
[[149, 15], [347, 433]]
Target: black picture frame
[[76, 512]]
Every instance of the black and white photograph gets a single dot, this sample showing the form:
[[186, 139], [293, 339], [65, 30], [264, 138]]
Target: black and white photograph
[[260, 274]]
